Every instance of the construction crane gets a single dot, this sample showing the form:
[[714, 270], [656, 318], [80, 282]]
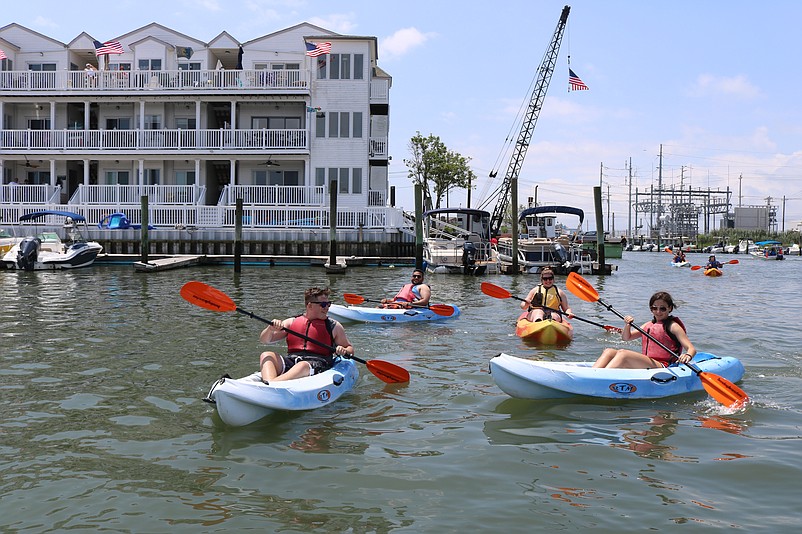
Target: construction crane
[[545, 71]]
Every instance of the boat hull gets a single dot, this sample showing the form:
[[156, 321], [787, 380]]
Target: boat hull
[[545, 332], [242, 401], [530, 379], [385, 315], [75, 256]]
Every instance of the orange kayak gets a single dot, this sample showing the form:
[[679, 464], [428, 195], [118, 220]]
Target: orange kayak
[[546, 332], [713, 272]]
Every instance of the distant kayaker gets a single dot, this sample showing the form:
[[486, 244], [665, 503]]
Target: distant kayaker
[[664, 327], [713, 263], [679, 257], [412, 295], [548, 295], [304, 358]]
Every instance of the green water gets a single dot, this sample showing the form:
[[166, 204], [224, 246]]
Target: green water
[[103, 427]]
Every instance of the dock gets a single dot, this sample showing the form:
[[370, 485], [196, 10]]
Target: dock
[[166, 264]]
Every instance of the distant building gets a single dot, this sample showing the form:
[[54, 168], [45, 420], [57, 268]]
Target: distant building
[[194, 126]]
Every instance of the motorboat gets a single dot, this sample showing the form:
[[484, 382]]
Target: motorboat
[[457, 241], [769, 250], [540, 245], [6, 241], [46, 250]]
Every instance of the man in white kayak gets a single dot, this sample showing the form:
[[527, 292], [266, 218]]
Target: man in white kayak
[[412, 295], [304, 358]]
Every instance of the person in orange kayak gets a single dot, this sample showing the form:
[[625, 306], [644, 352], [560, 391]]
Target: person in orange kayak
[[663, 327], [713, 263], [412, 295], [548, 295], [304, 358]]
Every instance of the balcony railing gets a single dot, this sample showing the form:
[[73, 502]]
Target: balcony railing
[[163, 80], [119, 195], [220, 139], [273, 195]]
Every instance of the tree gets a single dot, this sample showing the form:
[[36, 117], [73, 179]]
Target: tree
[[437, 168]]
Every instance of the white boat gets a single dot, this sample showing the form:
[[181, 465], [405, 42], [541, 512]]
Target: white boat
[[539, 244], [532, 379], [769, 250], [46, 250], [457, 241], [7, 241], [245, 400], [387, 315], [744, 246]]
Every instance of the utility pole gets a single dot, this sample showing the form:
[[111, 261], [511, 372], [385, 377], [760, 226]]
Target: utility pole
[[660, 199], [629, 210]]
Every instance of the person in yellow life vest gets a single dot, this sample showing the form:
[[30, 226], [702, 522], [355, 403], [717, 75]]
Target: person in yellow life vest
[[548, 295], [413, 295], [304, 358]]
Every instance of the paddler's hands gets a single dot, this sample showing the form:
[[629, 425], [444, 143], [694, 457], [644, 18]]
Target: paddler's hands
[[278, 324], [342, 351], [629, 319], [684, 357]]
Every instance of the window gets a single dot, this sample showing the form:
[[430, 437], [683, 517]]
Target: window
[[185, 177], [339, 124], [359, 66], [152, 122], [121, 123], [150, 64], [320, 176], [341, 67], [42, 67], [334, 66], [320, 125], [185, 123], [116, 177], [345, 124], [119, 66], [285, 178], [152, 176], [357, 124], [356, 181], [38, 124], [334, 124], [188, 65]]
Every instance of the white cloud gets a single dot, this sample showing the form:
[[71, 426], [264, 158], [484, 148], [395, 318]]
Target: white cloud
[[340, 23], [402, 41], [710, 85]]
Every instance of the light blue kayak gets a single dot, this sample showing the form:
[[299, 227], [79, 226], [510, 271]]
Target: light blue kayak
[[531, 379], [387, 315], [244, 400]]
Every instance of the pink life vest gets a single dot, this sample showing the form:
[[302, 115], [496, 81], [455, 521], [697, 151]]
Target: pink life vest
[[408, 293], [316, 329], [660, 333]]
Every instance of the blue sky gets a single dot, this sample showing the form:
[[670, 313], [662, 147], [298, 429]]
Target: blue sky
[[716, 83]]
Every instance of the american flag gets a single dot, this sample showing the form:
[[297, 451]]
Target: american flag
[[318, 49], [574, 83], [109, 47], [3, 55]]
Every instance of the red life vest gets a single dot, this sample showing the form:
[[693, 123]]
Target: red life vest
[[661, 334], [317, 329], [408, 293]]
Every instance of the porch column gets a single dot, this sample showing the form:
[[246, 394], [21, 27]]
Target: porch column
[[233, 172], [86, 171], [86, 116], [233, 115]]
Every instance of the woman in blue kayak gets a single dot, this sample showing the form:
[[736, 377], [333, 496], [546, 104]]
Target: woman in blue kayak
[[303, 357], [664, 327]]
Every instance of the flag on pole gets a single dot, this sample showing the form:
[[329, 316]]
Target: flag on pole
[[3, 55], [574, 83], [314, 50], [184, 51], [109, 47]]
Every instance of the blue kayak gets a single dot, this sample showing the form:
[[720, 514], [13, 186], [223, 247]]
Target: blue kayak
[[387, 315], [531, 379]]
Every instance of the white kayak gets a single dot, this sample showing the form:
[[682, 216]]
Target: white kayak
[[531, 379], [244, 400], [680, 264], [387, 315]]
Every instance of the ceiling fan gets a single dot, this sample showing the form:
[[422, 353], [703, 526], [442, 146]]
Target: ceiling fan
[[30, 165], [270, 163]]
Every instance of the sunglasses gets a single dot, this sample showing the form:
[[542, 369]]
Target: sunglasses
[[547, 278], [659, 308], [323, 304], [417, 276]]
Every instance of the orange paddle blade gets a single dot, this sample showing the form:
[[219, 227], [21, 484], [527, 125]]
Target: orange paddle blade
[[723, 390], [388, 372], [613, 329], [351, 298], [733, 262], [442, 309], [581, 288], [696, 267], [495, 291], [206, 296]]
